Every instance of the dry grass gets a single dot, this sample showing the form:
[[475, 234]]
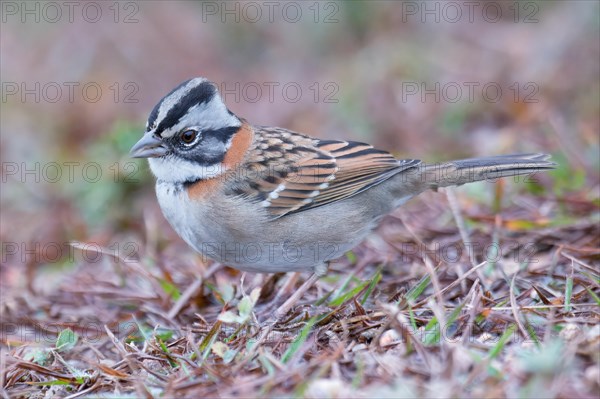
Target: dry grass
[[137, 314], [390, 320]]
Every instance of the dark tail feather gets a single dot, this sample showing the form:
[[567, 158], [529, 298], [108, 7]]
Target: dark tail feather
[[463, 171]]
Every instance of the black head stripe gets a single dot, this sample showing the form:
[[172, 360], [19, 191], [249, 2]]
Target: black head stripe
[[224, 134], [154, 113], [197, 95]]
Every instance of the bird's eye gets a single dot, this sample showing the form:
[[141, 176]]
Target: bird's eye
[[188, 136]]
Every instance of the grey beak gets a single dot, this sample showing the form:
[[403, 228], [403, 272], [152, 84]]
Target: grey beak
[[149, 146]]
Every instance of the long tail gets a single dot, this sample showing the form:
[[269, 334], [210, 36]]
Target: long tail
[[463, 171]]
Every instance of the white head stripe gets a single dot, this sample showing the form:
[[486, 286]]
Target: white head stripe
[[172, 99]]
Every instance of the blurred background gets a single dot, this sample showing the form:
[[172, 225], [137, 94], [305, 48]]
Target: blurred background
[[427, 80]]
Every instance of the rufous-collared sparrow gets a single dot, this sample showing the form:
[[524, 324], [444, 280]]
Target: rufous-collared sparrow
[[267, 199]]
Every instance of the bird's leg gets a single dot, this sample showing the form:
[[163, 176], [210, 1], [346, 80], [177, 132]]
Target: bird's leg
[[283, 292], [287, 305], [283, 309]]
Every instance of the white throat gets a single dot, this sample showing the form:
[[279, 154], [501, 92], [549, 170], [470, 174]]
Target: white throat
[[177, 170]]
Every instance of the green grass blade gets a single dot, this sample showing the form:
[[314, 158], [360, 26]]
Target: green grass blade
[[417, 290], [51, 383], [432, 339], [502, 341], [209, 339], [299, 341], [373, 282], [532, 334], [170, 289], [431, 327], [568, 294], [411, 316], [348, 295], [593, 295], [412, 295], [166, 351]]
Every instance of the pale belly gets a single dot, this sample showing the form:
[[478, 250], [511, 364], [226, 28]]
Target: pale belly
[[233, 234]]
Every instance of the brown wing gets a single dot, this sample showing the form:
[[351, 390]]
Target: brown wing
[[291, 172]]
